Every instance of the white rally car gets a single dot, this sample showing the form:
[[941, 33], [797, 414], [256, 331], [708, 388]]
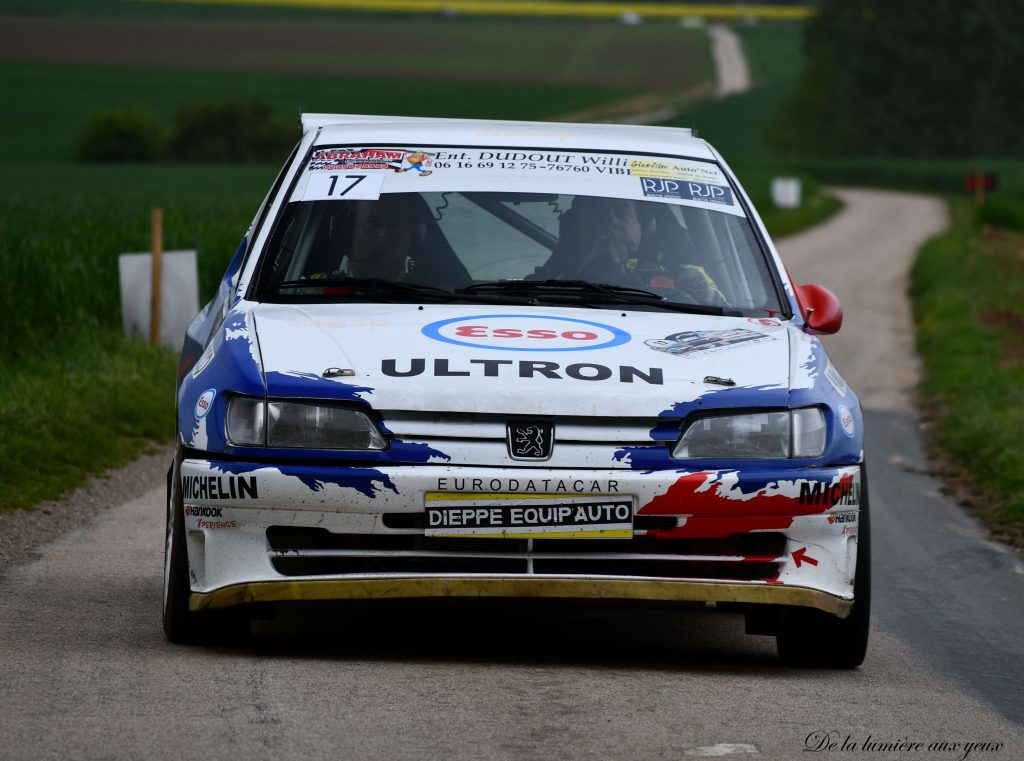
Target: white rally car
[[516, 360]]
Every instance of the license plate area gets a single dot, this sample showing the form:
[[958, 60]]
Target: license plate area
[[518, 516]]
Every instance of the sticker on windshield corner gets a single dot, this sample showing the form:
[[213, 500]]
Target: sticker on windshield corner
[[693, 343], [668, 170], [365, 159], [349, 159], [846, 420], [526, 332], [704, 192], [204, 403]]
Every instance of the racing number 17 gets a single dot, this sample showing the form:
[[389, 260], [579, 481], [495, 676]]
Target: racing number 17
[[356, 179]]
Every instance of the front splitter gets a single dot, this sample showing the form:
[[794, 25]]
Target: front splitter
[[499, 587]]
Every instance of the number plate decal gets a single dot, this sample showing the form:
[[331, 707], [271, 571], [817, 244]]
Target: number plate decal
[[351, 186], [539, 516]]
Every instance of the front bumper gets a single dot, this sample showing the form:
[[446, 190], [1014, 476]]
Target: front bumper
[[258, 533]]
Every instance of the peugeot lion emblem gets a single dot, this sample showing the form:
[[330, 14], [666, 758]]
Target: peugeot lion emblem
[[530, 440]]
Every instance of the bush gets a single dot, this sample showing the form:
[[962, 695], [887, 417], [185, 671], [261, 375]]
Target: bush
[[1003, 212], [230, 130], [128, 134]]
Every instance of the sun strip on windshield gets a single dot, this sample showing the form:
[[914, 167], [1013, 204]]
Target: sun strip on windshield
[[363, 173]]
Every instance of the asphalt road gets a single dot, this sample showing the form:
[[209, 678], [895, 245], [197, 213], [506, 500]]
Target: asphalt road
[[86, 672]]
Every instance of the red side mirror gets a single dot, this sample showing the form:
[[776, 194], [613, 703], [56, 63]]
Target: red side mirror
[[820, 308]]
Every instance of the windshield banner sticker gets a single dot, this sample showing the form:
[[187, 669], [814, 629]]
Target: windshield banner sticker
[[686, 182], [694, 343]]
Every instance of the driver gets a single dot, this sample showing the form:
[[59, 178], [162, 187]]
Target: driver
[[615, 248], [382, 235]]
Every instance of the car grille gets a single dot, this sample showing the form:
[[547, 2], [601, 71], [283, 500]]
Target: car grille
[[318, 552], [480, 438]]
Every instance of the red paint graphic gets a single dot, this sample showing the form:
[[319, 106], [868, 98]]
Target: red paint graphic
[[719, 511], [801, 556]]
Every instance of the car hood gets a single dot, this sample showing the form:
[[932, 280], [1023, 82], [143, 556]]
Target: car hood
[[521, 360]]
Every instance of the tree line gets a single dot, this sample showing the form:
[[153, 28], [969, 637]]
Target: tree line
[[909, 78]]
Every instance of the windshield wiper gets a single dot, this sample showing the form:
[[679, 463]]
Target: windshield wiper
[[558, 286], [382, 287], [605, 293], [371, 284]]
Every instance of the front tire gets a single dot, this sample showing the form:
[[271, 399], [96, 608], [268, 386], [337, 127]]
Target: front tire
[[181, 625], [815, 639]]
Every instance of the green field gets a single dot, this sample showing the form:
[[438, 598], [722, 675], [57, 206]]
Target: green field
[[55, 99]]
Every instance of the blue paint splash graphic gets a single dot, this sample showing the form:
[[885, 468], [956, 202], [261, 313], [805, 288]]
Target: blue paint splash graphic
[[309, 385], [363, 480]]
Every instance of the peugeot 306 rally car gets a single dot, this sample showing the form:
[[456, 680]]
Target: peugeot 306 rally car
[[516, 360]]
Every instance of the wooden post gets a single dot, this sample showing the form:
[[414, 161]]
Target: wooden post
[[157, 249]]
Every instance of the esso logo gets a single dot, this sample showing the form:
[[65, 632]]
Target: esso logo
[[526, 332], [846, 420], [204, 403]]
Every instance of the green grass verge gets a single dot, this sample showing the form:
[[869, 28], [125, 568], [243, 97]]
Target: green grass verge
[[816, 207], [77, 396], [89, 403], [61, 235], [968, 295]]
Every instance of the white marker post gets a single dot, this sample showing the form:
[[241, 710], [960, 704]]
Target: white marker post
[[156, 247]]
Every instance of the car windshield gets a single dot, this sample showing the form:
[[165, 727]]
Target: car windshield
[[650, 241]]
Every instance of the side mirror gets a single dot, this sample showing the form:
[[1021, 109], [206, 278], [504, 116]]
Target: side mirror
[[820, 308]]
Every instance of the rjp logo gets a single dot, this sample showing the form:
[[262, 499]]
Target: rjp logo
[[530, 440], [686, 191]]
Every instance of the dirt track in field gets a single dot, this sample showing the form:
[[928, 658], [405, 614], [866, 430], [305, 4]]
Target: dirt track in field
[[652, 57]]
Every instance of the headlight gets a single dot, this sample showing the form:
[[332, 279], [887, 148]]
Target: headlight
[[256, 423], [767, 435]]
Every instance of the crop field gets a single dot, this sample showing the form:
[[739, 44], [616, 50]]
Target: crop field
[[522, 51], [594, 9]]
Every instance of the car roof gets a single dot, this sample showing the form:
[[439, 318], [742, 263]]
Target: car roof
[[413, 132]]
